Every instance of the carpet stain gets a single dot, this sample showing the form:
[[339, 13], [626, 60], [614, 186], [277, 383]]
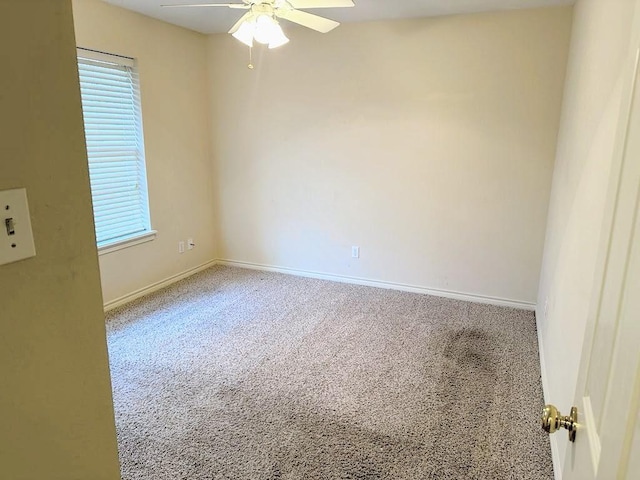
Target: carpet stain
[[465, 401]]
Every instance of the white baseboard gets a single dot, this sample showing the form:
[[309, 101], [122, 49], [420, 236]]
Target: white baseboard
[[555, 453], [156, 286], [502, 302]]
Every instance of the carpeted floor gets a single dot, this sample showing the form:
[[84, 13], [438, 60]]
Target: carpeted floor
[[237, 374]]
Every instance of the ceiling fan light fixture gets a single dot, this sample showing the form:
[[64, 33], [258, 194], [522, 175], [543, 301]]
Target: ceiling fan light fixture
[[246, 32], [278, 38], [260, 22], [265, 29]]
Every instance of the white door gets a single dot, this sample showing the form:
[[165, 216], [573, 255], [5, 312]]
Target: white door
[[607, 445]]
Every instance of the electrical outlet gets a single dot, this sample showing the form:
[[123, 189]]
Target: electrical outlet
[[190, 244], [180, 246], [355, 252], [16, 237]]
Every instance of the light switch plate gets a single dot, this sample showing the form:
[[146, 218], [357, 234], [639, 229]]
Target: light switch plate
[[16, 237]]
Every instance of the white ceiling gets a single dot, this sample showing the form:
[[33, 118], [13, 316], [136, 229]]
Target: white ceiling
[[218, 19]]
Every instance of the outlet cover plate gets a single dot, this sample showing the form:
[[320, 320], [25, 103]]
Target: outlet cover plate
[[14, 210]]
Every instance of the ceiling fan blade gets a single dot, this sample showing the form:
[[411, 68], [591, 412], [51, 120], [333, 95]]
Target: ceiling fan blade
[[309, 20], [320, 3], [230, 5], [235, 28]]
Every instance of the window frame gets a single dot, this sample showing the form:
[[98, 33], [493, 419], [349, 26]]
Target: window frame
[[149, 234]]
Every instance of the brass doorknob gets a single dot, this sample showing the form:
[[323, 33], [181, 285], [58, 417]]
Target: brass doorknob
[[553, 420]]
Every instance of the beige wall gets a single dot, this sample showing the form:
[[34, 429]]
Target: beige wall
[[599, 48], [56, 416], [428, 143], [172, 66]]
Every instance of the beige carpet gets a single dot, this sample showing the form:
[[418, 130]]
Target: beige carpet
[[237, 374]]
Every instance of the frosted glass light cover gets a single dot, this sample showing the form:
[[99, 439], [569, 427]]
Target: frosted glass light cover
[[278, 38], [265, 29], [245, 33]]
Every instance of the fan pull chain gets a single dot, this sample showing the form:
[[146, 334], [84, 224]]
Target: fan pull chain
[[250, 66]]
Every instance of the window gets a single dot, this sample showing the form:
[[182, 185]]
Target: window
[[113, 131]]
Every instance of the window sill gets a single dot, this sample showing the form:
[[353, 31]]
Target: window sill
[[128, 242]]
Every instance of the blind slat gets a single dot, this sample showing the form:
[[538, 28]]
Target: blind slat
[[127, 202], [116, 214], [121, 223]]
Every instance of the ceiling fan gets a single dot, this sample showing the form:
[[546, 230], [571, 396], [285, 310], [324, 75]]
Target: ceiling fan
[[260, 22]]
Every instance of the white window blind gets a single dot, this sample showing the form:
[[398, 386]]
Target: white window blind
[[113, 131]]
